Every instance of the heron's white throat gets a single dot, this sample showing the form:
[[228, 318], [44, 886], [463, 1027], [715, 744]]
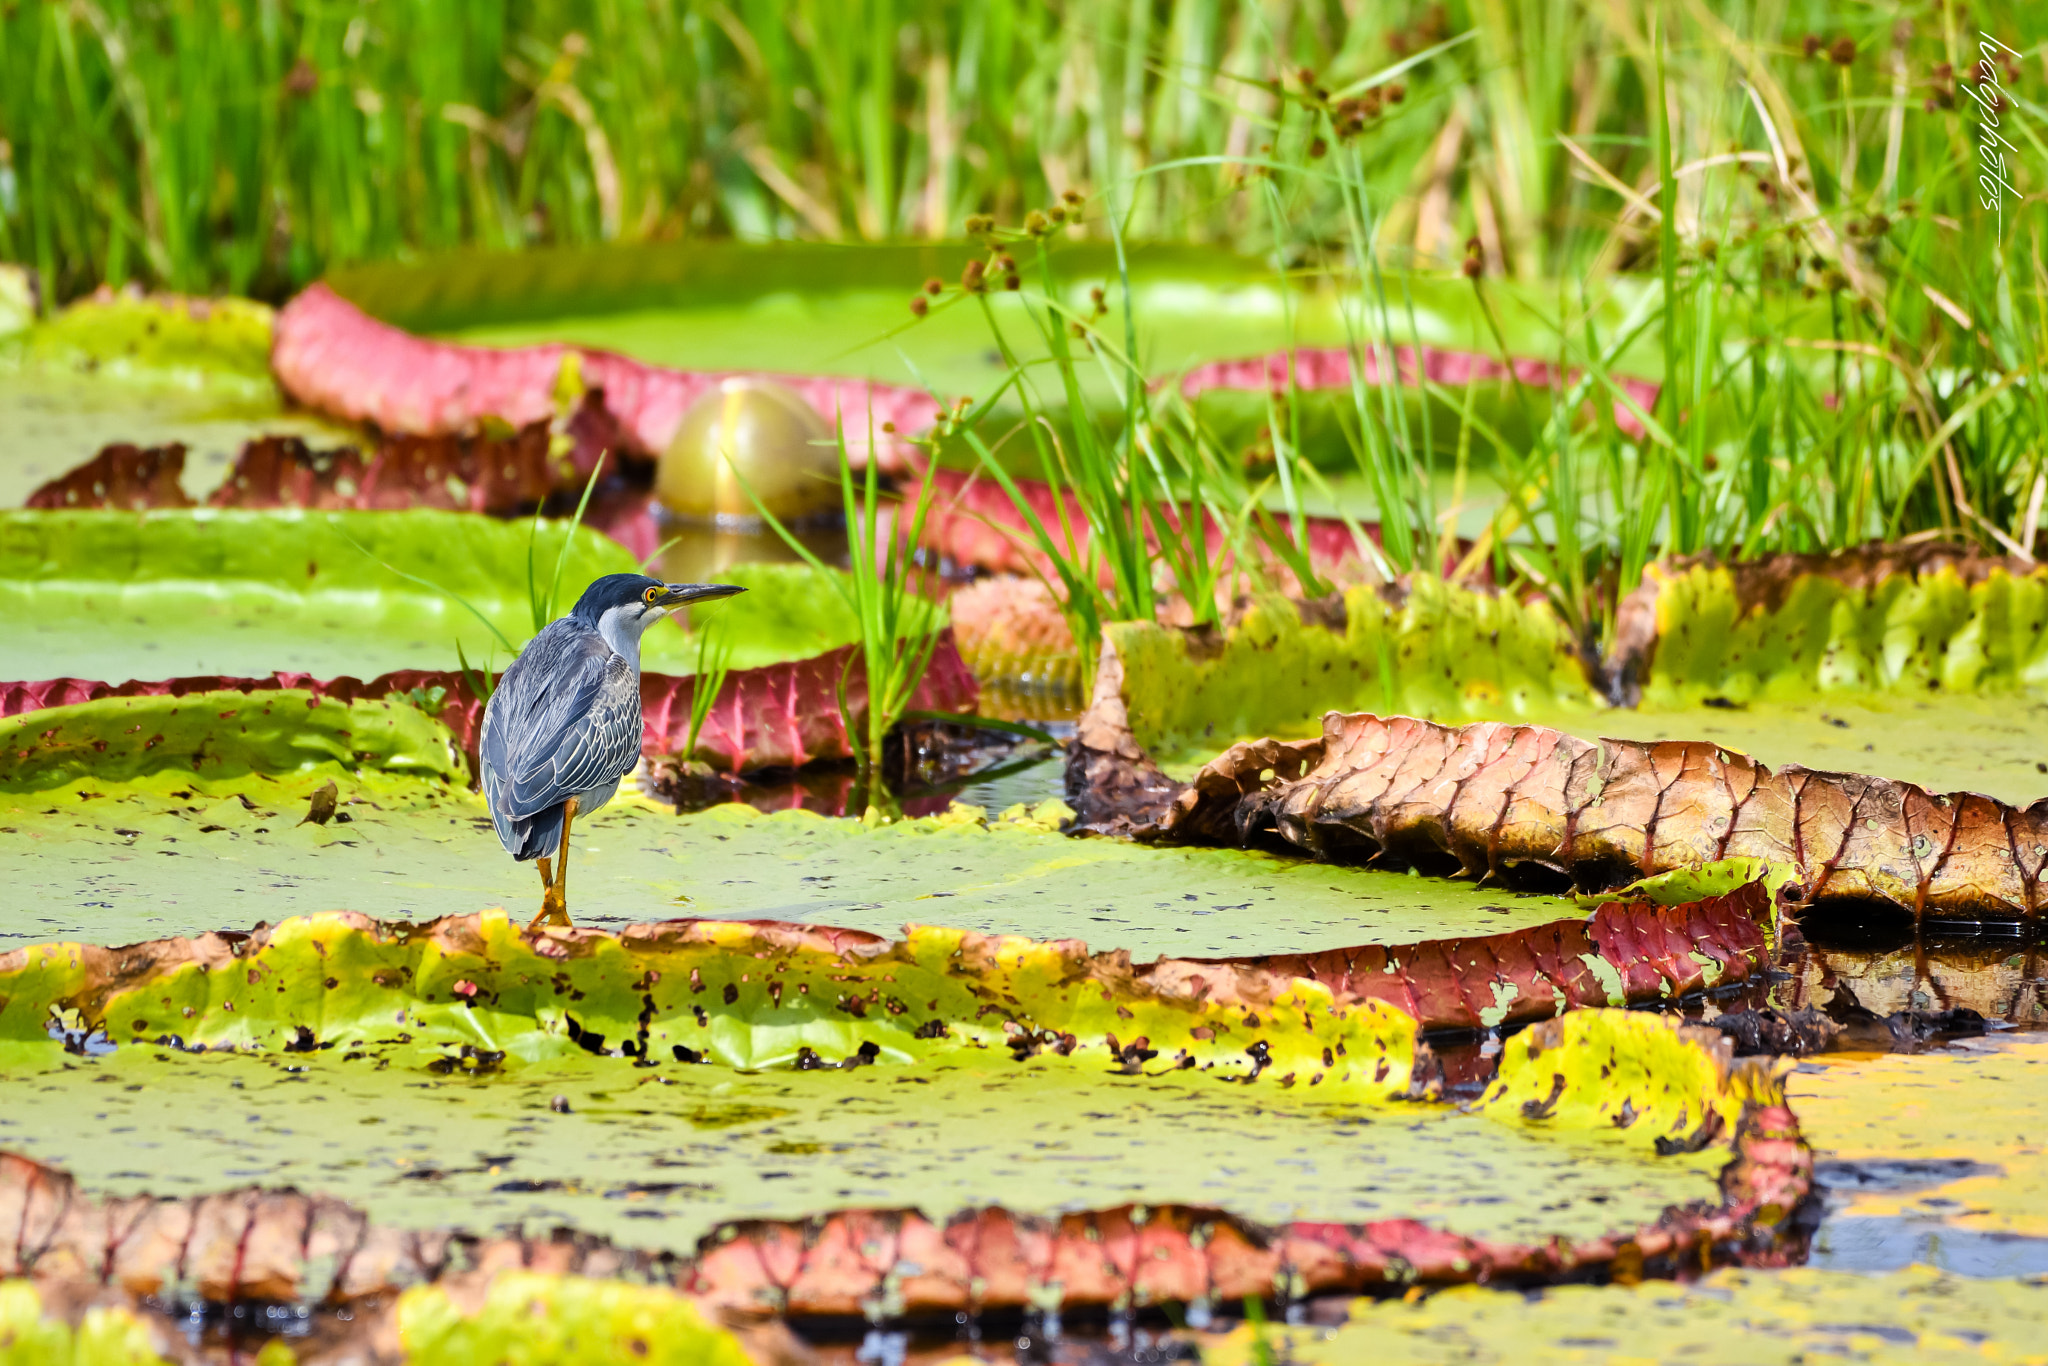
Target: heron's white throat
[[623, 626]]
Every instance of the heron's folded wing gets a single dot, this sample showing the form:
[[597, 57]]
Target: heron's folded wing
[[565, 719]]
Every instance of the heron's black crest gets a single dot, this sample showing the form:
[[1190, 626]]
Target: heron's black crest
[[618, 590], [613, 590]]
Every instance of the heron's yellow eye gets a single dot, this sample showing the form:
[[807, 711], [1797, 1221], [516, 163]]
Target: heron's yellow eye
[[651, 594]]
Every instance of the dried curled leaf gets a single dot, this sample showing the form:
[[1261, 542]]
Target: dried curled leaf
[[1492, 795]]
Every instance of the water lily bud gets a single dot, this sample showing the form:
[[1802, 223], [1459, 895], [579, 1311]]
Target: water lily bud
[[745, 433]]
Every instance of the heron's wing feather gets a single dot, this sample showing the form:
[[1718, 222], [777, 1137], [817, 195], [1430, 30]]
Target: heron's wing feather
[[565, 718], [604, 744]]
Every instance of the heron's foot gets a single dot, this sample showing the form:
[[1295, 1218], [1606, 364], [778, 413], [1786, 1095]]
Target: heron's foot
[[554, 911]]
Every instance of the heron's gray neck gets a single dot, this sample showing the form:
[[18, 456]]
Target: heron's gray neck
[[621, 628]]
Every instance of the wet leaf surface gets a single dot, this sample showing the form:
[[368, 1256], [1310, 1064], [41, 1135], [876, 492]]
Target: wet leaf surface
[[1731, 1318], [655, 1158], [1998, 978], [278, 1245], [137, 862]]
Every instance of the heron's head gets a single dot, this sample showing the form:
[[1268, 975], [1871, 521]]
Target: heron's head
[[621, 606]]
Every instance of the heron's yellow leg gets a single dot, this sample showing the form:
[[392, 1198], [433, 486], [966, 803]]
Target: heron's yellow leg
[[561, 915], [547, 893]]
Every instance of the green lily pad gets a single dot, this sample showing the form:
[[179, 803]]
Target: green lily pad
[[223, 735], [1950, 742], [815, 308], [117, 863], [656, 1158], [104, 1336], [1697, 883], [1444, 651], [112, 596], [222, 344], [526, 1318], [1907, 632]]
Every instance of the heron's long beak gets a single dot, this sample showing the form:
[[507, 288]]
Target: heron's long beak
[[682, 594]]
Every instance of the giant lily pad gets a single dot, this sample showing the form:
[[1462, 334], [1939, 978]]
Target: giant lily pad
[[285, 1247], [152, 371], [223, 735], [1441, 651], [1879, 619], [116, 863], [112, 596]]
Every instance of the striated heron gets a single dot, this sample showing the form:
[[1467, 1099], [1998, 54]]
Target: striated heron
[[563, 726]]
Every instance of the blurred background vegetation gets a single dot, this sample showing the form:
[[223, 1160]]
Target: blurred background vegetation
[[1852, 345]]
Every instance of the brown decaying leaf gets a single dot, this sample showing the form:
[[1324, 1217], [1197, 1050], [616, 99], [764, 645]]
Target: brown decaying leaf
[[1492, 795], [120, 476], [282, 1246]]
